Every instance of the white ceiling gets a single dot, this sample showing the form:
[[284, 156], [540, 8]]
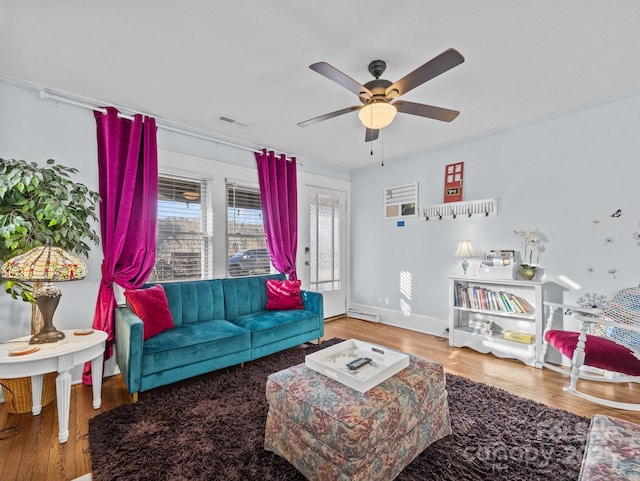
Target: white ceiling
[[190, 62]]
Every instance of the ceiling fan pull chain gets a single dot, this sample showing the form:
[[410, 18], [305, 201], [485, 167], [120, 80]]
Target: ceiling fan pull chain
[[371, 111]]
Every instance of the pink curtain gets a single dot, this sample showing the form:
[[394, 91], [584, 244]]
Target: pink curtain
[[279, 199], [128, 187]]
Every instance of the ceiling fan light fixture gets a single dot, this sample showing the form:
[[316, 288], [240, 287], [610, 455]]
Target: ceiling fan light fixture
[[377, 115]]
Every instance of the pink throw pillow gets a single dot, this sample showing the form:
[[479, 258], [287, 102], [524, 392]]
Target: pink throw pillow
[[283, 295], [151, 306]]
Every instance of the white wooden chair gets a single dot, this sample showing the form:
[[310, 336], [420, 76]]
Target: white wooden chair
[[606, 348]]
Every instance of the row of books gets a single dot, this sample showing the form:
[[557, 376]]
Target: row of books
[[476, 297]]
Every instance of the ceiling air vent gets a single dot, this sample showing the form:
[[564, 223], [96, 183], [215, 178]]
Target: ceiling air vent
[[231, 120]]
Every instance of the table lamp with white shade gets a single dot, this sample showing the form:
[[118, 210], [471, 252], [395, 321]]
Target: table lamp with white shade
[[47, 264], [466, 251]]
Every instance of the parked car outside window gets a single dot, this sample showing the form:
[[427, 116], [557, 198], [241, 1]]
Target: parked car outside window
[[249, 262]]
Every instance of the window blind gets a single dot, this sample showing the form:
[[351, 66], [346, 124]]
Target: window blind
[[183, 246], [245, 231]]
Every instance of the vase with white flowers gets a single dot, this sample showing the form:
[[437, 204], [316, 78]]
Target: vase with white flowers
[[531, 239]]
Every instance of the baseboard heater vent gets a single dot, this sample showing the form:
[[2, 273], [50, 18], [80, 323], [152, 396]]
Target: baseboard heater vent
[[365, 316]]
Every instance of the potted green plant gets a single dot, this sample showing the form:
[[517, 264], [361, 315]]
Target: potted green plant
[[37, 202], [531, 238]]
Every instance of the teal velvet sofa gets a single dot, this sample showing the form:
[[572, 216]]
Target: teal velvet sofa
[[217, 323]]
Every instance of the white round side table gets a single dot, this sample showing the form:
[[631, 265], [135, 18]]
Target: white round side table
[[61, 357]]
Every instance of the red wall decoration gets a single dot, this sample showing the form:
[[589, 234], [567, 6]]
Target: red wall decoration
[[453, 174]]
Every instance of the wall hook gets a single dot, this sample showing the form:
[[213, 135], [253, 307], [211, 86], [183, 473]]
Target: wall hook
[[453, 214], [468, 212], [486, 213], [439, 215]]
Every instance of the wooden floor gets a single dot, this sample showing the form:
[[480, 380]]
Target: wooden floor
[[32, 452]]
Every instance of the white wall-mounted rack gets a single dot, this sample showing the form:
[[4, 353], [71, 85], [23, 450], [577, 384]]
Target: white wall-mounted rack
[[453, 210]]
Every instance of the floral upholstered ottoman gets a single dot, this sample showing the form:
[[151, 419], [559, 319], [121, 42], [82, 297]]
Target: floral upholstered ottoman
[[613, 450], [329, 431]]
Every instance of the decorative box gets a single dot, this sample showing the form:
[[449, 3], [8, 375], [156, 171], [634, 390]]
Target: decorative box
[[481, 326], [523, 337], [496, 272], [332, 362]]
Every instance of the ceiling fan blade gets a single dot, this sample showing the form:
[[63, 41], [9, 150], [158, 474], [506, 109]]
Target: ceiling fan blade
[[332, 73], [330, 115], [371, 134], [434, 67], [423, 110]]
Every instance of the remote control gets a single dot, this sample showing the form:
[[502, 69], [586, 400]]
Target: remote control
[[358, 363]]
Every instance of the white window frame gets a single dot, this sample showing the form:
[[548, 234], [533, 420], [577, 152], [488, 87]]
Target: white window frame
[[204, 232], [247, 240]]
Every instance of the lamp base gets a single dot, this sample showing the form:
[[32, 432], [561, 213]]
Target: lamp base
[[45, 337], [47, 298], [465, 266]]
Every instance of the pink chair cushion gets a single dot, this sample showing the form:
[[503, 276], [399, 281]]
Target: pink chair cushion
[[599, 352]]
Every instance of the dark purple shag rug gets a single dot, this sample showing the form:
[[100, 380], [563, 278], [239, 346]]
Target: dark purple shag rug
[[212, 427]]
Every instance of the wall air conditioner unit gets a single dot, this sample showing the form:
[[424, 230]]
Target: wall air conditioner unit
[[365, 316]]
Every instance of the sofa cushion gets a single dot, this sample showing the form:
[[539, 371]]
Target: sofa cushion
[[271, 326], [192, 343], [151, 306], [283, 295], [195, 301], [244, 295]]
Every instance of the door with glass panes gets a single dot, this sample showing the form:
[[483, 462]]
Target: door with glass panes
[[324, 248]]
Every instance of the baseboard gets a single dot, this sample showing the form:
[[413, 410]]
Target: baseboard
[[412, 322], [363, 315]]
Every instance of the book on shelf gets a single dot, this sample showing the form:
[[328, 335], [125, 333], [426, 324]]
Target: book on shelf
[[507, 304], [526, 307], [481, 298]]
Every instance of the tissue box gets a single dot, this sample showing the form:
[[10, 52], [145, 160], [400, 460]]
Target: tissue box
[[523, 337]]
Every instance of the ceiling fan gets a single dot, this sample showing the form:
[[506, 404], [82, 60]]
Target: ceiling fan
[[377, 110]]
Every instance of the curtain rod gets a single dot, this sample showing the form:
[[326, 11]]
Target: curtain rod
[[159, 123], [46, 94]]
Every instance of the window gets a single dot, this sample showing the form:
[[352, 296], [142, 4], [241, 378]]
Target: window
[[183, 245], [324, 218], [246, 247]]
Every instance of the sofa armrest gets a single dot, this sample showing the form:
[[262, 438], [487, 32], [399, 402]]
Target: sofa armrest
[[313, 302], [129, 330]]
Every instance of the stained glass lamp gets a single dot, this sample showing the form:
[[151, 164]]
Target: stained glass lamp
[[47, 264]]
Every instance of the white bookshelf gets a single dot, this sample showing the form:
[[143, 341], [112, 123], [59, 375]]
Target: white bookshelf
[[461, 335]]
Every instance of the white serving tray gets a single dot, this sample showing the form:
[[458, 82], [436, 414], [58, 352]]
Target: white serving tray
[[332, 362]]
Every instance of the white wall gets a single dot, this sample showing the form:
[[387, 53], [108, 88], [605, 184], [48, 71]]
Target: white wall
[[558, 176], [36, 130], [218, 172]]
